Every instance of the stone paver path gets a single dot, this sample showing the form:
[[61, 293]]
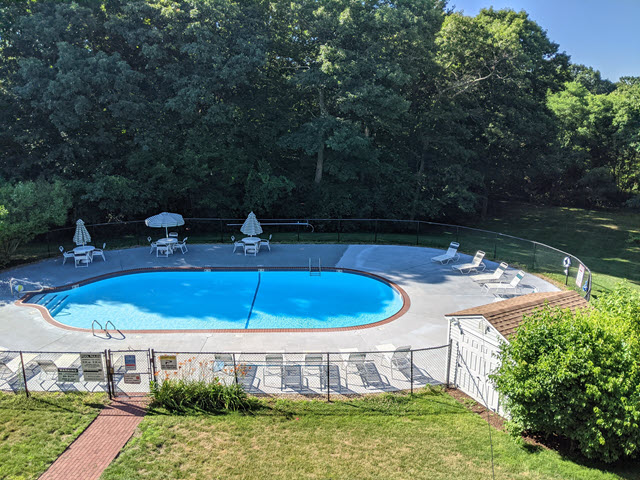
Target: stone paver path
[[93, 451]]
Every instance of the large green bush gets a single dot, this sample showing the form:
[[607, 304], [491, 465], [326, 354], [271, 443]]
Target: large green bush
[[577, 376], [180, 395]]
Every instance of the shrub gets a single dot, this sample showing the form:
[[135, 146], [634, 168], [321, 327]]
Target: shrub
[[181, 396], [577, 376]]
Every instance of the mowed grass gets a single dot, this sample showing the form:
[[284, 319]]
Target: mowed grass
[[35, 431], [598, 238], [429, 435]]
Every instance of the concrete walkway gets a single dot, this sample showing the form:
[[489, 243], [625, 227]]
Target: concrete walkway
[[434, 290], [92, 452]]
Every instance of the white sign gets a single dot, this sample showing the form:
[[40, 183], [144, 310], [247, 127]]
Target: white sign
[[131, 378], [580, 275], [92, 370], [71, 375], [129, 362], [168, 362]]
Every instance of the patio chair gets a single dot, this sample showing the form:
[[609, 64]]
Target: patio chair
[[292, 377], [491, 277], [236, 244], [450, 256], [505, 288], [476, 264], [65, 255], [224, 364], [313, 364], [253, 248], [152, 244], [48, 371], [266, 242], [7, 375], [162, 250], [82, 259], [100, 252], [401, 360], [355, 360], [247, 376], [173, 234], [274, 363], [182, 245], [335, 382], [371, 377]]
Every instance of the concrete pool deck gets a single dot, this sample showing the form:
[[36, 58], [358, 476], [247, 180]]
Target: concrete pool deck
[[434, 290]]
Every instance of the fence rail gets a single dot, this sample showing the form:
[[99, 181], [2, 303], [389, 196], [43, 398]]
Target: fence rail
[[530, 255], [124, 372]]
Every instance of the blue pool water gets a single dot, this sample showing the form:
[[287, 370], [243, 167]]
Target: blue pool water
[[226, 300]]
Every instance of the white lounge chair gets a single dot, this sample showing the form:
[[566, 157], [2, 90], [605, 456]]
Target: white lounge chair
[[236, 245], [491, 277], [451, 255], [266, 242], [504, 288], [475, 265], [182, 245], [251, 248], [162, 250], [152, 244], [65, 255], [273, 365], [100, 252]]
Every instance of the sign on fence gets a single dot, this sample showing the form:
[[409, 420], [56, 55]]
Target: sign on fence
[[68, 375], [92, 367], [168, 362], [129, 362], [132, 378], [580, 275]]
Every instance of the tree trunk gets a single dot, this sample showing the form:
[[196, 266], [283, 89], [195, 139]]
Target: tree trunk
[[320, 157]]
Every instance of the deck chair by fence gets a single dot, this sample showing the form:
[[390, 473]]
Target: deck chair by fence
[[512, 287], [313, 364], [65, 255], [292, 377], [182, 245], [224, 365], [273, 363], [450, 256], [491, 277], [237, 245], [247, 376], [475, 265], [370, 376], [401, 360], [335, 382]]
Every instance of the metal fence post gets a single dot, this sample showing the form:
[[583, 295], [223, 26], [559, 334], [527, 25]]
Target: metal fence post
[[375, 232], [417, 233], [235, 368], [411, 358], [533, 263], [24, 375], [328, 379], [152, 354], [339, 228], [449, 350], [298, 229], [221, 236], [458, 234], [495, 246]]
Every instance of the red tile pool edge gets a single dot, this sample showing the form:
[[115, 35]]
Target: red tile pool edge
[[406, 302]]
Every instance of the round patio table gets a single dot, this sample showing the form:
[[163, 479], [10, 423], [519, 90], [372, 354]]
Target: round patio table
[[251, 240], [84, 249], [169, 241]]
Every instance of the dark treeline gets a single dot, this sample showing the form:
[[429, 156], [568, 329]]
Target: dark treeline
[[116, 109]]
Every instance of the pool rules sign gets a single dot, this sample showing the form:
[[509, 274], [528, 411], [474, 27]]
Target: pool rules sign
[[92, 369]]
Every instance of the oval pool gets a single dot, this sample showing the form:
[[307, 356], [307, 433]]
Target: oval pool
[[226, 300]]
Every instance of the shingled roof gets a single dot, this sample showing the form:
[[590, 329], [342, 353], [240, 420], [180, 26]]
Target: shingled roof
[[506, 315]]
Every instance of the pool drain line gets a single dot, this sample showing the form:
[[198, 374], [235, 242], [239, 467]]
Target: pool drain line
[[255, 294]]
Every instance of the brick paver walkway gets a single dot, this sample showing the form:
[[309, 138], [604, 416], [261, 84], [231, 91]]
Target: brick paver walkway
[[93, 451]]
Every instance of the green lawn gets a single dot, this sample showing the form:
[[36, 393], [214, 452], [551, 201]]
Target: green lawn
[[35, 431], [598, 238], [385, 437]]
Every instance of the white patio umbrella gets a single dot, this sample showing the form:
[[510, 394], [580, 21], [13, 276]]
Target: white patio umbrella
[[251, 226], [81, 237], [165, 220]]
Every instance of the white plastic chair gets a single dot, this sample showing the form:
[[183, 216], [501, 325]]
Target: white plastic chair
[[236, 244], [450, 256], [65, 255], [252, 248], [475, 265], [181, 245], [173, 234], [82, 259], [266, 242], [152, 244], [99, 252], [162, 250]]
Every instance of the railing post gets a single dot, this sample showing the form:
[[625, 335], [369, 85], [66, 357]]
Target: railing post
[[328, 379], [411, 359], [152, 354], [235, 368], [339, 228], [533, 263], [107, 363], [449, 350], [458, 234], [417, 232], [495, 247], [48, 245], [221, 232], [298, 230], [24, 375], [375, 233]]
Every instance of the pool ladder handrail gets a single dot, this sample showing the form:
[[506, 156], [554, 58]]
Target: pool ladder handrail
[[315, 273], [104, 329]]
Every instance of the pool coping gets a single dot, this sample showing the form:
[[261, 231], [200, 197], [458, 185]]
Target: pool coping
[[406, 301]]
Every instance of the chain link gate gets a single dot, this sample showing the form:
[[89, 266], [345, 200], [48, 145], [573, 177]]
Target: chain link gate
[[130, 372]]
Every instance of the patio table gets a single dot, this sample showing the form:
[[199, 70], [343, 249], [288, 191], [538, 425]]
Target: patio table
[[84, 249], [251, 240], [169, 241]]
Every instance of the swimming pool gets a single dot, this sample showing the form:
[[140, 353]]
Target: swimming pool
[[226, 300]]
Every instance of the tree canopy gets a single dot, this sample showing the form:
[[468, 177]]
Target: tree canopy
[[338, 108]]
